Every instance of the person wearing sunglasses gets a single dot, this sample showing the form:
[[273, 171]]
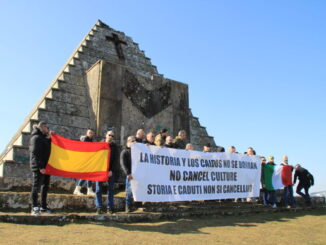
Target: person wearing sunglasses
[[113, 175]]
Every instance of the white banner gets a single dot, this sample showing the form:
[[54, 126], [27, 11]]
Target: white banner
[[166, 175]]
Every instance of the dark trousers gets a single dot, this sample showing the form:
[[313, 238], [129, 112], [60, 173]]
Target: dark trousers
[[306, 196], [40, 183], [110, 193]]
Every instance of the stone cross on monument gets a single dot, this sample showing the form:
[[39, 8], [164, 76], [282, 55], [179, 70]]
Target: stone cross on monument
[[117, 43]]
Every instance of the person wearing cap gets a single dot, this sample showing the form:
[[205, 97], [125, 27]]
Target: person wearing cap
[[161, 137]]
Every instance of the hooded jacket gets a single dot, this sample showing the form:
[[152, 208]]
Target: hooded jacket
[[40, 149]]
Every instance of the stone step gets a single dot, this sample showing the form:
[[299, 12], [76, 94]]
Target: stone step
[[18, 154], [73, 70], [65, 131], [58, 185], [61, 119], [10, 168], [67, 108], [68, 78], [21, 200], [65, 96], [70, 87], [23, 139], [68, 217]]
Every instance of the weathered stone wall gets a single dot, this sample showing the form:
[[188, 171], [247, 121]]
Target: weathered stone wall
[[105, 85]]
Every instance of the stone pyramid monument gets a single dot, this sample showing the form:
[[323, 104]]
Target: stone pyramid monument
[[107, 83]]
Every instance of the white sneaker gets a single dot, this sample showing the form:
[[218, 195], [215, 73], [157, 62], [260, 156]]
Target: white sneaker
[[90, 192], [77, 191], [274, 206], [35, 211]]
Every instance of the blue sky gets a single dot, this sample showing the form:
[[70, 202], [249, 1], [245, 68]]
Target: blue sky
[[255, 69]]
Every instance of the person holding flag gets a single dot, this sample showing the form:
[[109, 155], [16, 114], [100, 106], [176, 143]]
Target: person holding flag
[[113, 175], [40, 148]]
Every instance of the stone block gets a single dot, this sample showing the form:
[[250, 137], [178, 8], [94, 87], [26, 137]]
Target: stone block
[[64, 96], [67, 108], [63, 119]]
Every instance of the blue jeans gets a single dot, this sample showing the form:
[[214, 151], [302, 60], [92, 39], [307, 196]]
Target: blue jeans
[[265, 196], [271, 197], [110, 193], [128, 192], [288, 190], [81, 182]]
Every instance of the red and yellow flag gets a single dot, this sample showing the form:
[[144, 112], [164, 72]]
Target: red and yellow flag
[[80, 160]]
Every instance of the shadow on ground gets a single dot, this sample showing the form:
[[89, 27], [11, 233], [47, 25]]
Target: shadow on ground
[[193, 225]]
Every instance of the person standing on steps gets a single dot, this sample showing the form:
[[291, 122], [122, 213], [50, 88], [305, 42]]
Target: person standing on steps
[[40, 149], [113, 175], [140, 136], [180, 141], [160, 138], [306, 180], [268, 172], [125, 162], [287, 181], [150, 138], [85, 138]]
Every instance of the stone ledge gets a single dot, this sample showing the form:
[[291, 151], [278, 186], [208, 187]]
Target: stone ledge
[[64, 218]]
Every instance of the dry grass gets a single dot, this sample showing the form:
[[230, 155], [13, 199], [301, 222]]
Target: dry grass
[[277, 228]]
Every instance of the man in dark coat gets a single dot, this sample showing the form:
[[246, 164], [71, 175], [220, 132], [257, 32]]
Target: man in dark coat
[[305, 181], [113, 175], [40, 148], [150, 138], [180, 140], [140, 136], [125, 162], [169, 142]]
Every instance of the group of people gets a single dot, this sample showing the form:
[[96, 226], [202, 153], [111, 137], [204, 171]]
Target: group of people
[[40, 148], [306, 180]]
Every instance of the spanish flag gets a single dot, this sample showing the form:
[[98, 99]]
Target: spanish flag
[[80, 160]]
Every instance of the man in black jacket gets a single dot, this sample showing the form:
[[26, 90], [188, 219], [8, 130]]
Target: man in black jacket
[[140, 136], [305, 181], [150, 138], [113, 174], [125, 162], [169, 142], [40, 148]]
